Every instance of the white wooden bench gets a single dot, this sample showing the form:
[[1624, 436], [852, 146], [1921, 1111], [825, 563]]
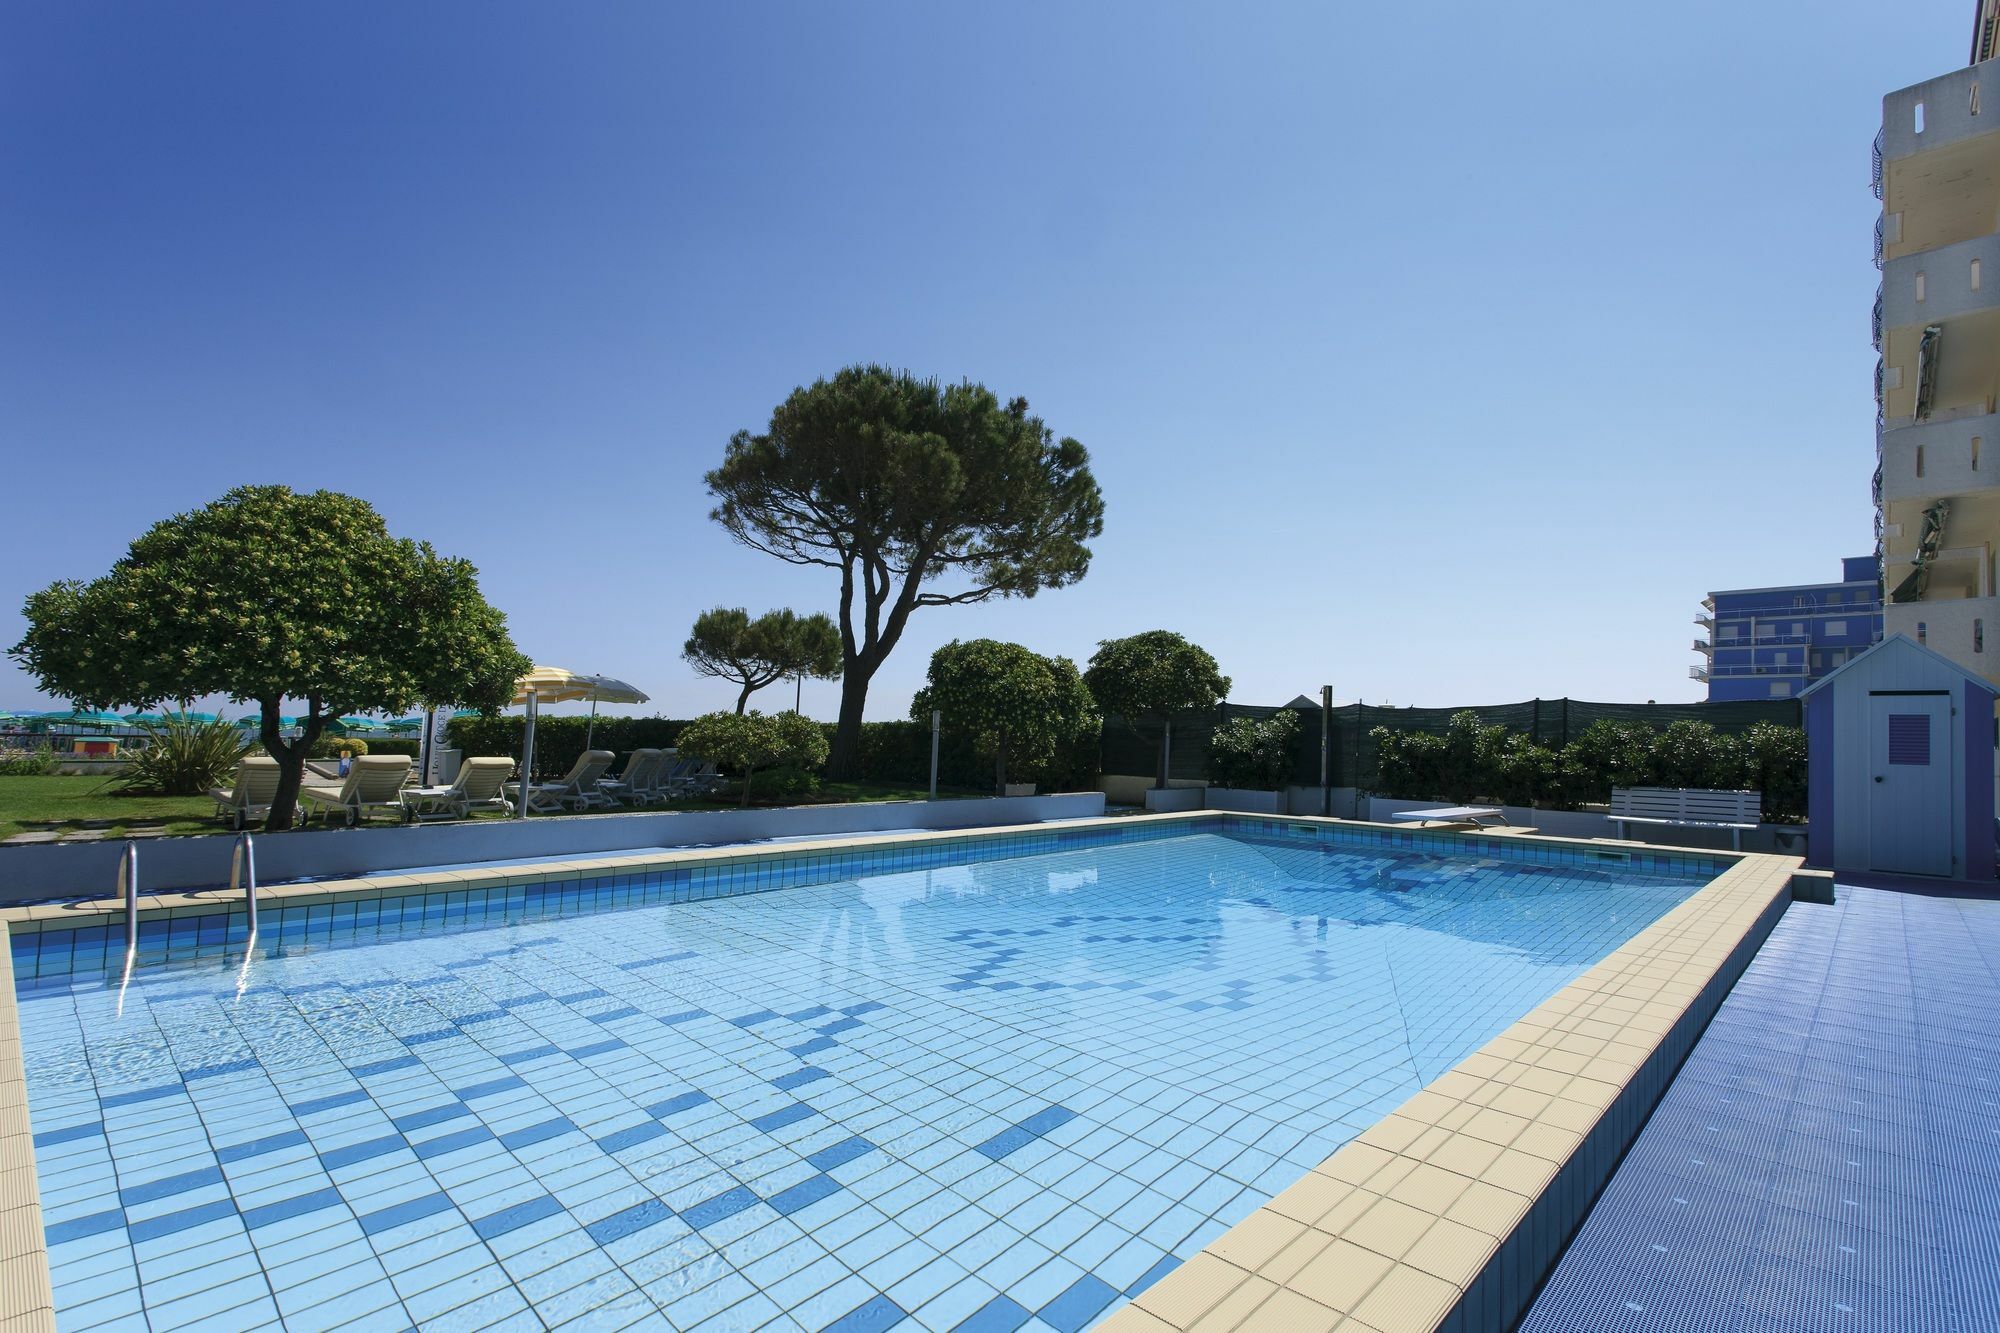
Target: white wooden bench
[[1688, 807]]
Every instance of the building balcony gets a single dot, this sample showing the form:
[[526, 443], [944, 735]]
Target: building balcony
[[1957, 627], [1958, 455], [1703, 646], [1958, 279], [1698, 673], [1938, 364], [1795, 670], [1705, 620]]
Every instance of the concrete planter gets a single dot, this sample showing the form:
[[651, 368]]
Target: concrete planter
[[1018, 789], [1173, 800], [1245, 801]]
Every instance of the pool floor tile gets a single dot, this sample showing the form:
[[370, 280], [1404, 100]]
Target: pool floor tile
[[940, 1095]]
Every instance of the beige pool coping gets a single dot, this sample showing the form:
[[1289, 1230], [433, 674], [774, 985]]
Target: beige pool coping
[[30, 1303], [1433, 1215]]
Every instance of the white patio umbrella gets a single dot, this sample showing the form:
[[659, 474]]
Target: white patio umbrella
[[554, 685]]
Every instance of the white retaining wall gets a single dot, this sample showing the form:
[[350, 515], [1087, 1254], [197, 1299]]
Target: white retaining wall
[[67, 870], [1785, 839]]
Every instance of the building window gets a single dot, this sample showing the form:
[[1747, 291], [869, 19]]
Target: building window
[[1781, 689], [1836, 629], [1978, 635], [1917, 118], [1923, 632], [1920, 460], [1975, 275], [1920, 288]]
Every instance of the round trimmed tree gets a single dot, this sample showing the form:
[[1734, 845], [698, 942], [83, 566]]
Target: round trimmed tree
[[753, 740], [270, 595], [1023, 707], [1155, 676]]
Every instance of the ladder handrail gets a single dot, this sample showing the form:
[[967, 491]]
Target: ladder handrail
[[243, 872], [128, 889]]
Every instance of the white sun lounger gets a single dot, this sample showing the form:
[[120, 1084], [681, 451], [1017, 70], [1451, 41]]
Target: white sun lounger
[[374, 782], [477, 788]]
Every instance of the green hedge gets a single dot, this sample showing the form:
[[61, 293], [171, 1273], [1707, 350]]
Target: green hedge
[[897, 753], [1474, 761]]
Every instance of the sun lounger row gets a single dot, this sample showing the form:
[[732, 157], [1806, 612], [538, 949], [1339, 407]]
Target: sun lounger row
[[378, 784]]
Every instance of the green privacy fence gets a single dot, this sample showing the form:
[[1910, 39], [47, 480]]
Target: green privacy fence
[[1133, 747]]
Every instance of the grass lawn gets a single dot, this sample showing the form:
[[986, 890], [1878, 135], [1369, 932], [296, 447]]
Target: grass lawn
[[65, 804]]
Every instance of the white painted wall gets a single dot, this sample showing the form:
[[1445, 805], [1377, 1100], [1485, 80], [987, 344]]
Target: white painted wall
[[66, 870]]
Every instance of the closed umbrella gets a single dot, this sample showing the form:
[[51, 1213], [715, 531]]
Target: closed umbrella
[[547, 684]]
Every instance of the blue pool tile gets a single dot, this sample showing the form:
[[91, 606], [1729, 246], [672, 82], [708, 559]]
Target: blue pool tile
[[266, 1214], [314, 1105], [1002, 1314], [415, 1210], [596, 1048], [628, 1221], [810, 1048], [798, 1078], [142, 1095], [219, 1070], [1078, 1305], [532, 1053], [722, 1207], [536, 1133], [70, 1134], [778, 1119], [632, 1137], [77, 1228], [515, 1217], [430, 1116], [685, 1101], [147, 1191], [453, 1142], [806, 1192], [840, 1154], [388, 1066], [870, 1316], [366, 1150], [168, 1224], [237, 1152]]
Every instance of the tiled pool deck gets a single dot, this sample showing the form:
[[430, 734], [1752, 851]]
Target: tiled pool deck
[[1450, 1206], [1829, 1156]]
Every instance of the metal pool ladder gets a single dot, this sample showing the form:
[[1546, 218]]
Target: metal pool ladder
[[128, 889], [243, 875]]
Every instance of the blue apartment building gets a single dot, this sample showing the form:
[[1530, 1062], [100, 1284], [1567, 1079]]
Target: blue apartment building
[[1770, 643]]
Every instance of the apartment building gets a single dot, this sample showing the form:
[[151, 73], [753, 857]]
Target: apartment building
[[1937, 327], [1770, 643]]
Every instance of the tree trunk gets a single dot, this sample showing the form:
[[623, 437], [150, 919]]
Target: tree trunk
[[1166, 728], [843, 762], [1000, 767], [743, 699], [748, 773], [291, 757]]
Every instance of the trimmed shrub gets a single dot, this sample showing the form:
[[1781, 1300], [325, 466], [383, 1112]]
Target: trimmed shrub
[[34, 763], [332, 747], [1251, 754], [1473, 762]]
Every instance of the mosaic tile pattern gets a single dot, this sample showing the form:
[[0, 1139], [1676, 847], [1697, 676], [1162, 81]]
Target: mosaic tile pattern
[[987, 1096], [1829, 1155]]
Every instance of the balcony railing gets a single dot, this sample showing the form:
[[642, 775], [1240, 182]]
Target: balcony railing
[[1875, 319], [1704, 620], [1876, 172], [1703, 646], [1786, 670], [1698, 673], [1879, 227]]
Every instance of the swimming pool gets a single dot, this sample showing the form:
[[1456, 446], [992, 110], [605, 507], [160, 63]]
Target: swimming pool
[[947, 1085]]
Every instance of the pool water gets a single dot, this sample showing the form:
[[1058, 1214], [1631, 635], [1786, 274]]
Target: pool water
[[997, 1095]]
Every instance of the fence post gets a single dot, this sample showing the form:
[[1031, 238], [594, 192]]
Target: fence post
[[1565, 722], [936, 718], [1326, 750]]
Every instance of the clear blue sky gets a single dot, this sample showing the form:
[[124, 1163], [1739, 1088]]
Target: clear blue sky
[[1447, 353]]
